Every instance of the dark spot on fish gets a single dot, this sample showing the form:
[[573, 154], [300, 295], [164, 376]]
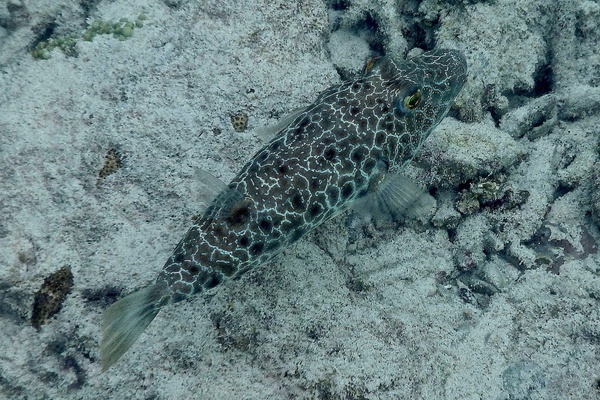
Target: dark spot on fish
[[369, 165], [194, 269], [283, 169], [330, 153], [257, 248], [297, 234], [253, 168], [379, 138], [292, 224], [356, 85], [314, 184], [225, 267], [297, 201], [314, 210], [244, 241], [239, 216], [385, 108], [363, 124], [202, 259], [264, 155], [213, 281], [265, 225], [177, 296], [358, 155], [298, 133], [304, 122], [354, 110], [178, 258], [219, 230], [333, 193], [347, 190], [275, 145]]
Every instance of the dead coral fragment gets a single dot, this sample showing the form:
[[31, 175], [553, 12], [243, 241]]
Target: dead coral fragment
[[490, 193], [112, 162], [239, 121], [49, 299]]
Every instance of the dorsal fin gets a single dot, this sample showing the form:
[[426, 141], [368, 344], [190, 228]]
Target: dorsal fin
[[225, 203], [267, 133], [211, 185], [207, 187]]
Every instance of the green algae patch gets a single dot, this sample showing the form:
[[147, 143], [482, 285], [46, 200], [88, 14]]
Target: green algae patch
[[121, 30]]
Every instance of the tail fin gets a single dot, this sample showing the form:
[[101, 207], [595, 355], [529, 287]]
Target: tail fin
[[124, 322]]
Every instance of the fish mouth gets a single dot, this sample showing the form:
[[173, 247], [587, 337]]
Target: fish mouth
[[451, 64], [446, 68], [458, 67]]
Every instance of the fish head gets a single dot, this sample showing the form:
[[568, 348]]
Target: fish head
[[421, 89]]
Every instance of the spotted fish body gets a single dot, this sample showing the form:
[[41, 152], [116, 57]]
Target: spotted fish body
[[339, 149]]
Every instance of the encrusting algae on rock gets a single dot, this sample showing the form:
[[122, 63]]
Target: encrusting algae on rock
[[341, 151]]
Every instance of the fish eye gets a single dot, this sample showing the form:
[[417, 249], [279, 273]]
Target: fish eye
[[412, 101]]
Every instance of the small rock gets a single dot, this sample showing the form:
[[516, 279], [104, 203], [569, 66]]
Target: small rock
[[458, 152], [112, 162], [534, 120], [239, 121], [49, 299]]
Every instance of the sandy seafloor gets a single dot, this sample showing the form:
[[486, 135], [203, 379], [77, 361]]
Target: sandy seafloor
[[495, 296]]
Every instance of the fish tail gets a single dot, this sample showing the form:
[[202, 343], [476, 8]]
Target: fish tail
[[124, 321]]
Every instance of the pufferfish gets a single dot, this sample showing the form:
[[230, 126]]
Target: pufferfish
[[344, 149]]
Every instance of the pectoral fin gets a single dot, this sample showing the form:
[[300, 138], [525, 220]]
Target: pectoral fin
[[396, 197]]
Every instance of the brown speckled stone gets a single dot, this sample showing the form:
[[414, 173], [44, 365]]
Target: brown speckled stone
[[49, 299]]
